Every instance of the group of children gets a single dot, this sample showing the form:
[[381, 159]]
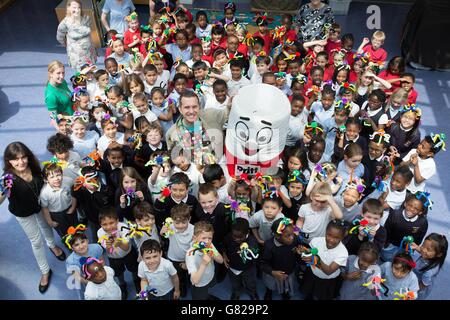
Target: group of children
[[344, 217]]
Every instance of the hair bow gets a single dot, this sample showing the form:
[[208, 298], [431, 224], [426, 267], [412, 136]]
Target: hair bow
[[6, 183], [246, 253], [79, 115], [230, 5], [411, 108], [71, 232], [85, 180], [55, 160], [204, 248], [347, 86], [135, 140], [114, 37], [285, 222], [425, 198], [300, 78], [85, 262], [280, 75], [217, 24], [438, 141], [132, 17], [313, 128], [297, 176], [380, 136]]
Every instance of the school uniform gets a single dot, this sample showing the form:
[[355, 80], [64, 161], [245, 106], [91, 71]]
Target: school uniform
[[104, 141], [315, 223], [353, 243], [349, 214], [378, 116], [159, 279], [108, 290], [320, 114], [403, 140], [354, 289], [297, 202], [342, 171], [264, 226], [127, 212], [426, 277], [218, 219], [235, 85], [338, 154], [427, 169], [154, 235], [86, 145], [162, 208], [394, 284], [194, 176], [296, 127], [393, 114]]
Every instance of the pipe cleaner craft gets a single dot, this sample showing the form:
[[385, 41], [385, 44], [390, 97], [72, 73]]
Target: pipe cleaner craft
[[84, 180], [376, 283], [242, 178], [6, 183], [71, 232], [132, 17], [157, 161], [204, 248], [356, 184], [77, 115], [313, 129], [237, 209], [262, 18], [297, 176], [314, 254], [313, 90], [55, 160], [130, 195], [85, 263], [165, 193], [322, 171], [411, 108], [280, 75], [246, 253], [145, 294], [114, 38], [439, 141], [300, 78], [380, 137], [134, 230], [279, 32], [92, 159], [405, 294], [135, 140], [361, 223], [342, 104], [285, 222], [112, 238], [405, 244], [168, 223]]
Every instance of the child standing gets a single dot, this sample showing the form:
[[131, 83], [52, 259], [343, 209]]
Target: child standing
[[239, 255], [213, 173], [359, 270], [132, 37], [296, 183], [433, 252], [261, 222], [408, 80], [57, 202], [399, 276], [199, 262], [150, 76], [321, 281], [84, 142], [321, 111], [163, 109], [278, 260], [101, 284], [145, 219], [157, 273], [122, 57], [115, 241], [349, 198], [141, 103], [297, 120], [406, 135], [351, 167], [183, 164]]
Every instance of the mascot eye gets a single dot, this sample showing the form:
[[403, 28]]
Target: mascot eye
[[242, 131], [264, 136]]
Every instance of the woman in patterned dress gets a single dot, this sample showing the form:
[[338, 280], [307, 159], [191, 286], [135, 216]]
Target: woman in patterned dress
[[311, 19], [74, 32]]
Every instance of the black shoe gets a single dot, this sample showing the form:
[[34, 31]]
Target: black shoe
[[268, 295], [124, 290], [44, 288], [61, 257], [285, 296]]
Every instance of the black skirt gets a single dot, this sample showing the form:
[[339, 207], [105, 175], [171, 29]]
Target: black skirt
[[316, 288]]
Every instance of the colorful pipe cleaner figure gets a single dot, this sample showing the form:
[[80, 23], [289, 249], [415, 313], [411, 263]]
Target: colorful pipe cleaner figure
[[313, 90], [6, 183], [262, 18], [272, 193], [205, 249], [411, 108], [134, 230], [347, 85], [313, 128], [77, 92], [165, 193], [243, 177], [314, 254], [92, 159], [425, 198], [129, 196], [246, 253], [406, 244], [71, 232], [405, 294], [132, 17], [358, 222], [364, 57], [280, 75], [322, 170], [380, 136], [168, 223], [77, 79], [439, 141], [376, 283], [135, 140], [78, 115], [285, 222], [279, 32], [356, 184], [342, 104], [297, 176], [135, 54], [87, 261], [157, 161], [146, 28], [301, 78], [145, 294], [55, 160], [88, 179], [237, 208], [112, 237]]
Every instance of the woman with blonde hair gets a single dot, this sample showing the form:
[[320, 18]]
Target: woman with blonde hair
[[74, 32], [58, 97]]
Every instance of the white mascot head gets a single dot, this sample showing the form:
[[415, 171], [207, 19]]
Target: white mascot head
[[257, 130]]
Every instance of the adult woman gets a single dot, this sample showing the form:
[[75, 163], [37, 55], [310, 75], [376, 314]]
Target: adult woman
[[117, 10], [311, 18], [24, 204], [58, 96], [74, 32], [197, 132]]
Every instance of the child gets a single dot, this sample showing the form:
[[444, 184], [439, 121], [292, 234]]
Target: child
[[122, 57], [377, 54], [179, 186], [278, 260], [314, 154], [199, 262], [84, 142], [150, 75], [348, 199], [239, 255], [145, 219], [220, 60], [181, 49], [321, 111], [119, 107], [366, 83], [333, 41], [406, 135], [237, 79], [157, 273], [262, 21], [82, 101], [296, 183], [297, 120], [179, 241], [346, 92], [261, 222], [372, 113], [203, 28], [229, 11], [132, 191], [351, 167], [359, 270], [218, 39], [325, 172], [102, 78], [141, 103], [220, 99], [313, 217], [351, 135], [61, 146], [183, 164], [335, 126], [133, 86], [163, 75], [396, 67], [409, 220], [433, 252], [160, 173], [408, 85], [110, 134], [179, 86], [372, 212], [101, 284], [213, 174], [132, 37], [399, 278], [321, 281], [163, 109], [153, 136], [262, 63], [420, 161], [115, 241], [57, 202], [212, 211], [112, 67]]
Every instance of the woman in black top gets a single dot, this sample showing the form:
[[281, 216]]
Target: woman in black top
[[24, 204]]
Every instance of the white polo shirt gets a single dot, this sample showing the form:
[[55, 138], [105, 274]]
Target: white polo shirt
[[339, 254], [179, 244], [160, 279], [108, 290], [193, 262], [427, 169]]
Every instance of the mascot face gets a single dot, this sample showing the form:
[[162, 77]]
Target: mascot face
[[258, 124]]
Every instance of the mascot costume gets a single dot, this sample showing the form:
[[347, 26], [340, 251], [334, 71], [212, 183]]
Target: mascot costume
[[257, 129]]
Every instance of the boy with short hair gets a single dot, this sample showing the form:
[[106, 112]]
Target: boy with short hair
[[213, 173], [375, 50], [238, 80], [145, 220], [297, 120], [150, 75], [262, 64], [157, 273], [220, 99], [261, 222], [199, 261]]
